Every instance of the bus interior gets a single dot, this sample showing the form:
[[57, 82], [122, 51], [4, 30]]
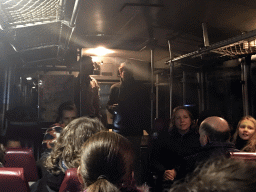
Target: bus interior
[[196, 53]]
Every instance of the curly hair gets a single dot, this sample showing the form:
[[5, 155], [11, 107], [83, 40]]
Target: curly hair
[[106, 162], [69, 143], [219, 174], [251, 144]]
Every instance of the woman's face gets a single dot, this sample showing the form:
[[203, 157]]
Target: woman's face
[[182, 121], [246, 129]]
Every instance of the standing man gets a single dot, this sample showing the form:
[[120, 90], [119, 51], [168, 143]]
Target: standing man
[[128, 104], [87, 90]]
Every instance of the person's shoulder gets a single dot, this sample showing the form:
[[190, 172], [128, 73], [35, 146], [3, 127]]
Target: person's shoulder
[[56, 125], [115, 85]]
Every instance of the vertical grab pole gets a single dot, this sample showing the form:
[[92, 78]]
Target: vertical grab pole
[[184, 80], [205, 35], [202, 90], [245, 69], [171, 86], [171, 77], [157, 95], [200, 80], [152, 88], [4, 98]]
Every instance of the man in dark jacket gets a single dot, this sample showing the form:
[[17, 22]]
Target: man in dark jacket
[[214, 137], [129, 106]]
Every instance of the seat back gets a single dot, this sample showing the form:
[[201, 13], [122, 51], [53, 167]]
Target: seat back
[[246, 156], [22, 157], [13, 179], [71, 182]]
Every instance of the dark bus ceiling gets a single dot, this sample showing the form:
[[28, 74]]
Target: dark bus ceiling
[[141, 26]]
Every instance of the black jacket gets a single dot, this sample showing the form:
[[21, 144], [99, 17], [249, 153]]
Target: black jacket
[[211, 150], [170, 148], [133, 107], [49, 182]]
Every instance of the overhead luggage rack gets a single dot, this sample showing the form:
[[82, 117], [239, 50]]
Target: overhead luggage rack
[[243, 47], [38, 29], [26, 12], [244, 44]]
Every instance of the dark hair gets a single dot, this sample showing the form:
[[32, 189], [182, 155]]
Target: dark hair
[[68, 106], [222, 175], [106, 162], [86, 58], [213, 134], [69, 143]]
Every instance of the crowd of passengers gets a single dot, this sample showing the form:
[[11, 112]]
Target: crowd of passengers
[[186, 157]]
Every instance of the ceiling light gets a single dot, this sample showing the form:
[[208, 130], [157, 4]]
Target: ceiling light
[[100, 51], [95, 59]]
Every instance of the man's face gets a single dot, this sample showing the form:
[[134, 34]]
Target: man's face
[[68, 116], [203, 137], [125, 73]]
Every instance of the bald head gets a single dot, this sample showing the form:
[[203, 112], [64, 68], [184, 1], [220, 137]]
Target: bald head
[[215, 128], [217, 123]]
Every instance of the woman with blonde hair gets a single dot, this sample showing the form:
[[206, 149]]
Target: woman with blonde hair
[[66, 152], [107, 164], [245, 135]]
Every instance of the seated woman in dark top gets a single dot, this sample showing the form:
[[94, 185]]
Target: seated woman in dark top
[[245, 135], [169, 148], [66, 152]]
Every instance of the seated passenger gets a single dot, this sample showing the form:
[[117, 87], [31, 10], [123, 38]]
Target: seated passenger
[[169, 148], [214, 137], [12, 143], [245, 135], [66, 152], [222, 175], [66, 113], [107, 164], [1, 155]]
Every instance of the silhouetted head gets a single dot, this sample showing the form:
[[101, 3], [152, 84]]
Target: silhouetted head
[[125, 71], [106, 162], [214, 129]]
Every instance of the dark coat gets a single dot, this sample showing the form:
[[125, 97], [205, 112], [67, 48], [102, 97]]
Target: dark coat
[[133, 107], [211, 150], [240, 143], [48, 183], [170, 148]]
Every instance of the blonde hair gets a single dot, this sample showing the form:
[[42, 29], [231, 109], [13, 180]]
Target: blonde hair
[[69, 143], [251, 144]]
